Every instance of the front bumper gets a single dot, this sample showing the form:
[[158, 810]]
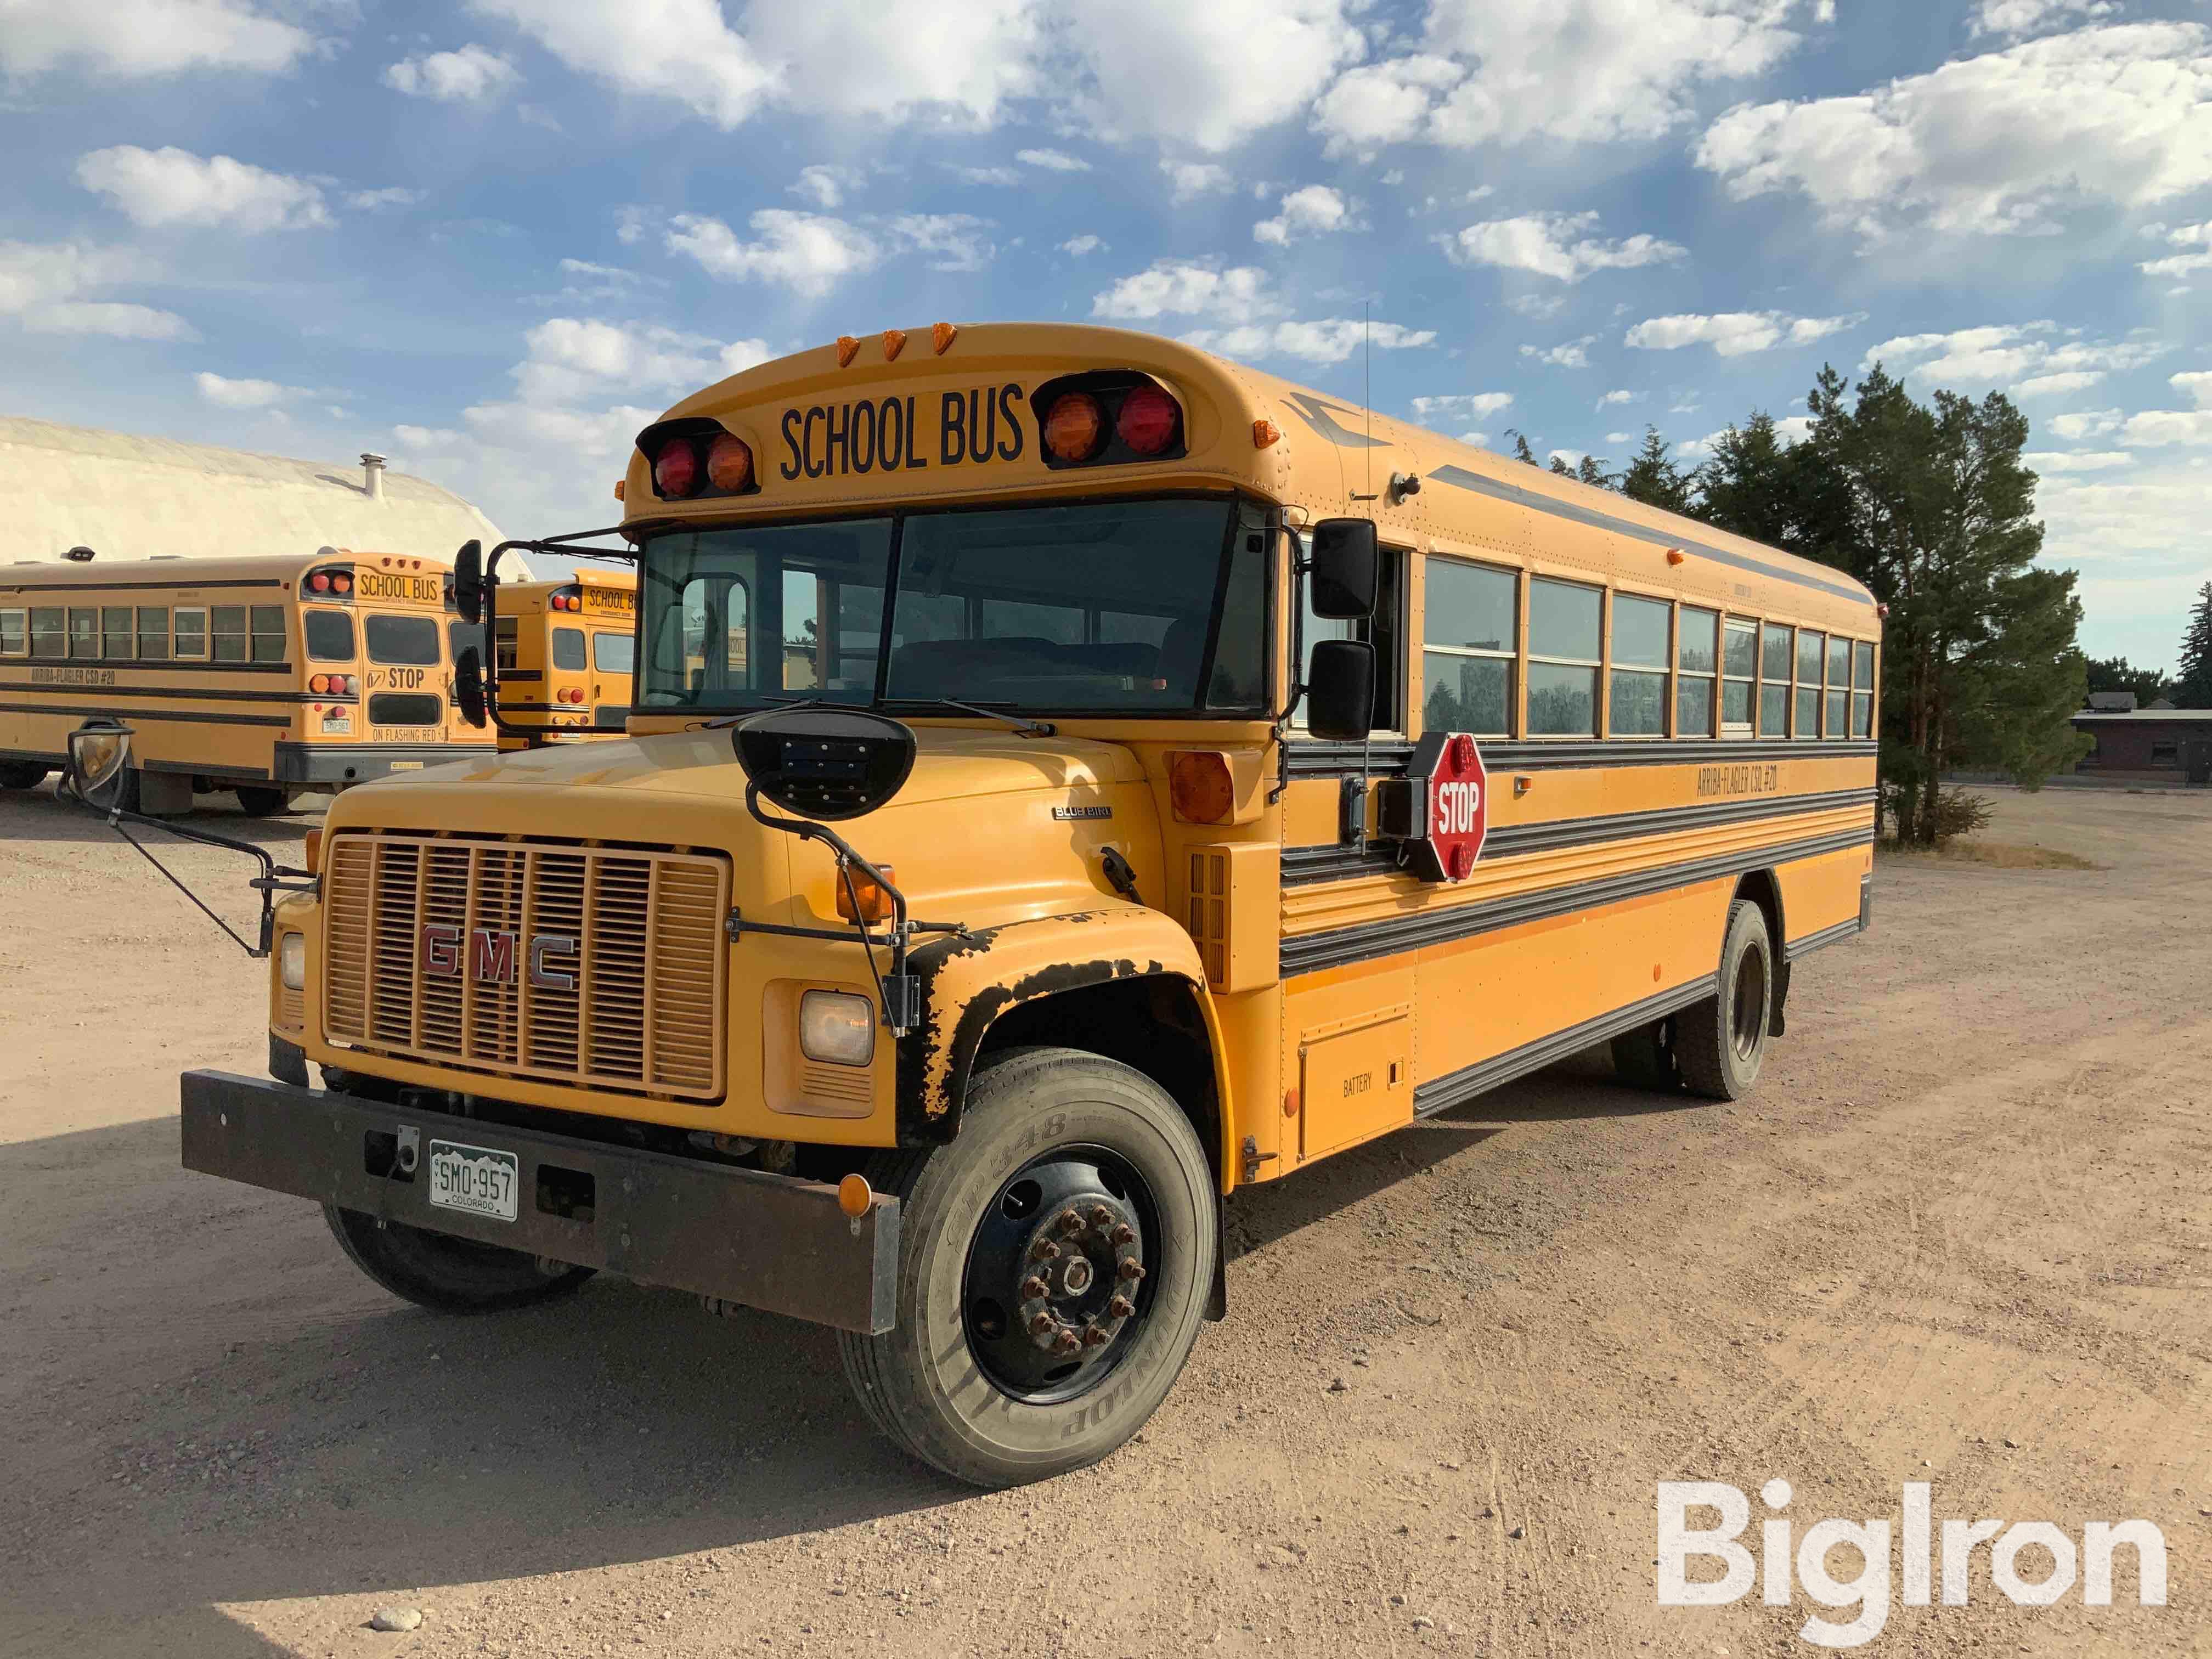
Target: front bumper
[[342, 764], [765, 1241]]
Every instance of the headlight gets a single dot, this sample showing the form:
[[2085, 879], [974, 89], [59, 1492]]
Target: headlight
[[837, 1027], [292, 961]]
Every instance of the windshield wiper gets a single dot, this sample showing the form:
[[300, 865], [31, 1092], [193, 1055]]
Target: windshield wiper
[[1027, 727]]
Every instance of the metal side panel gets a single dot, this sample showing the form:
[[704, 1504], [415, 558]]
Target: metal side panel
[[765, 1241]]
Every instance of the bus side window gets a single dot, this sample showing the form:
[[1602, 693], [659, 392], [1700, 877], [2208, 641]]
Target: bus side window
[[115, 636], [510, 644], [227, 631], [83, 632], [268, 639], [14, 633], [49, 636], [191, 636], [154, 633]]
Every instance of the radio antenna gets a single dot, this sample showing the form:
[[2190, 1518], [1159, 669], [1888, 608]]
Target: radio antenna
[[1367, 392]]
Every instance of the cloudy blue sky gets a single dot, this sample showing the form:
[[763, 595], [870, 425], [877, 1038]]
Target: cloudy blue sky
[[492, 238]]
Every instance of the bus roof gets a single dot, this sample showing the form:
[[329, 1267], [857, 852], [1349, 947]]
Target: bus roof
[[154, 573], [1243, 429]]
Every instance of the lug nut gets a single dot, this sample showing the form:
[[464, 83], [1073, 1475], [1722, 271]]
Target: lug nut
[[1033, 1287], [1100, 1215], [1095, 1338], [1067, 1342], [1044, 1250], [1120, 1307], [1133, 1270], [1040, 1323], [1070, 1221], [1125, 1234]]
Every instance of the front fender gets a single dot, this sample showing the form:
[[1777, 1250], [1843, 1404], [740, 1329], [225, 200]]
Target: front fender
[[968, 983]]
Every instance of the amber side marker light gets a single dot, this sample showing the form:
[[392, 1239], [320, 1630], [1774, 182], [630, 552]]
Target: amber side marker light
[[1199, 786], [1265, 433], [312, 849], [621, 487], [874, 904]]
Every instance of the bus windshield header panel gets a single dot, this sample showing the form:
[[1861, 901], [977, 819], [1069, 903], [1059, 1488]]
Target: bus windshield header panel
[[1102, 607]]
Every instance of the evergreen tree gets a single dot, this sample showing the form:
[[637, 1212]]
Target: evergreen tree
[[1654, 478], [1591, 470], [2192, 687], [1521, 450], [2116, 674], [1930, 505], [1560, 466], [1774, 492]]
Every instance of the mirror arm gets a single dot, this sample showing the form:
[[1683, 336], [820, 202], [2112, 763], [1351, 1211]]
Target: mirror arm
[[274, 878]]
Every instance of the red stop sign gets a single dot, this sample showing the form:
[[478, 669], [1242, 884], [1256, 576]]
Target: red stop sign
[[1458, 786]]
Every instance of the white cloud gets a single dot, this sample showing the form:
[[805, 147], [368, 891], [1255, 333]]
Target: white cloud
[[1314, 209], [2196, 383], [1189, 180], [425, 437], [807, 252], [1574, 353], [572, 360], [142, 38], [1582, 70], [1620, 437], [390, 195], [464, 75], [1616, 397], [678, 49], [1461, 405], [171, 187], [825, 183], [1733, 333], [1537, 307], [44, 287], [1329, 341], [1210, 74], [953, 241], [1478, 439], [2028, 360], [2078, 460], [1567, 456], [1554, 245], [542, 432], [2156, 427], [1177, 287], [1084, 244], [2198, 237], [1052, 160], [244, 394], [2015, 19], [999, 177], [2001, 143], [2087, 423]]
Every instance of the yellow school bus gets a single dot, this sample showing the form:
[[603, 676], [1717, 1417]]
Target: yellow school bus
[[566, 649], [1070, 778], [269, 677]]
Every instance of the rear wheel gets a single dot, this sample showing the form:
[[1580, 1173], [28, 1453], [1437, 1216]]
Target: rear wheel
[[1722, 1041], [22, 774], [263, 803], [1053, 1265], [447, 1275]]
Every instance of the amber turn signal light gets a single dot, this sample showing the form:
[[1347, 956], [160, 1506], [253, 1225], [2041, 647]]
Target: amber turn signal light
[[855, 1196], [1199, 786], [861, 897], [311, 849]]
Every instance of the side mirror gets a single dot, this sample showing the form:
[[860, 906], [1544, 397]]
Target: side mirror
[[469, 683], [825, 763], [1341, 691], [1342, 575], [468, 584], [99, 763]]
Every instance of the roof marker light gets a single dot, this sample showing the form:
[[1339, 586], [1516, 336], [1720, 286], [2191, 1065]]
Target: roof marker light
[[894, 343], [847, 349], [941, 337], [1265, 433]]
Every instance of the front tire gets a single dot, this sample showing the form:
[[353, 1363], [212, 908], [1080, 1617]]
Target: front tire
[[444, 1275], [1720, 1042], [1055, 1260], [22, 774]]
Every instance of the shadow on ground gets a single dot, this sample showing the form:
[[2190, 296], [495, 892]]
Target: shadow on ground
[[38, 815]]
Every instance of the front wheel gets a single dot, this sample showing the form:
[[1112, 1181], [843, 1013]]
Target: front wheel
[[261, 803], [1720, 1042], [1053, 1265], [22, 774], [444, 1275]]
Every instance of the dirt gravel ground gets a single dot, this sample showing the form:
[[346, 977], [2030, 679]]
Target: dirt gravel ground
[[1962, 1234]]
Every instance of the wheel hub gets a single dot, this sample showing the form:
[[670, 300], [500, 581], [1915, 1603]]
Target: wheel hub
[[1055, 1276]]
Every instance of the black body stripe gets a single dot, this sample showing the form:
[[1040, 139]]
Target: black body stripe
[[1457, 1088], [195, 694], [138, 587], [187, 718], [1308, 953], [1387, 757], [1305, 865], [1553, 507], [1827, 936], [150, 665]]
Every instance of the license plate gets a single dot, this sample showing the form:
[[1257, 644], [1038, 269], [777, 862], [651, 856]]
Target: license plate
[[476, 1180]]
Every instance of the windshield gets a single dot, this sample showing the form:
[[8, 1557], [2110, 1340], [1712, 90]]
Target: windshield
[[1104, 607]]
